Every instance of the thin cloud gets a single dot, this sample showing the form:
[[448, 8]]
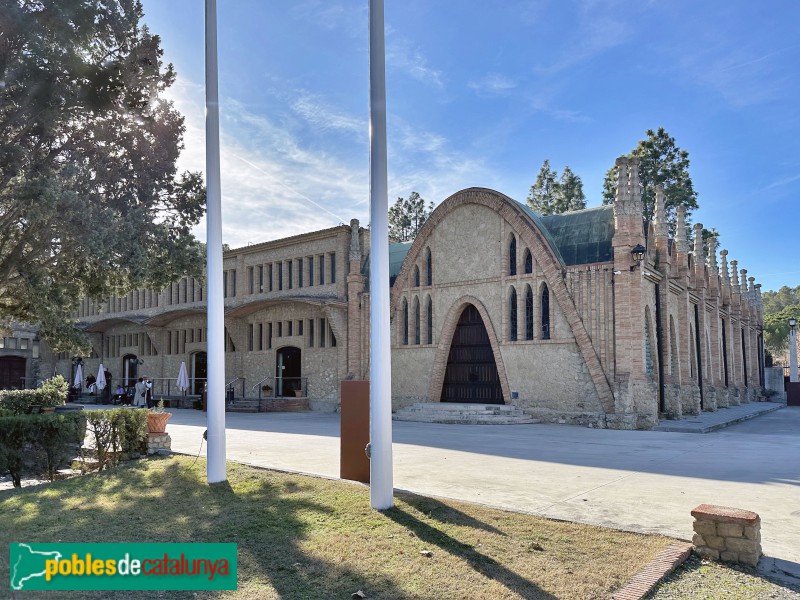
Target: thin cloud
[[492, 85], [402, 55], [315, 111], [782, 182]]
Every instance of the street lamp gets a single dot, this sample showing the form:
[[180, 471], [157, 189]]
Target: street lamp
[[638, 255], [792, 350]]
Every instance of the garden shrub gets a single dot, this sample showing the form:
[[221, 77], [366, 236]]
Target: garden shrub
[[117, 433], [15, 433], [59, 436], [52, 392]]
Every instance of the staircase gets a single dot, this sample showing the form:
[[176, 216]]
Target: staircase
[[242, 405], [464, 414]]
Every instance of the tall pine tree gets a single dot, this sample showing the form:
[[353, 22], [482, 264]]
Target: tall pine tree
[[549, 195]]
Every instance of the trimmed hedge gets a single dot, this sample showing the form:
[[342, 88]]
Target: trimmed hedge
[[52, 392], [44, 440], [42, 443]]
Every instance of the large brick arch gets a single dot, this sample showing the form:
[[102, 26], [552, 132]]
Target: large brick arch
[[446, 339], [529, 233]]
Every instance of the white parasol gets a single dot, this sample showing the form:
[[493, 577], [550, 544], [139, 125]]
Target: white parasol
[[78, 381], [101, 378], [183, 378]]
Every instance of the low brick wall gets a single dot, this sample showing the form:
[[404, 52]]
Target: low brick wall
[[159, 443], [727, 534], [283, 405]]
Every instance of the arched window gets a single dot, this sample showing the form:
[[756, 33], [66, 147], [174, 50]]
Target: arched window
[[528, 259], [648, 353], [528, 312], [512, 256], [429, 311], [416, 276], [416, 321], [404, 331], [673, 348], [428, 267], [512, 315], [545, 312]]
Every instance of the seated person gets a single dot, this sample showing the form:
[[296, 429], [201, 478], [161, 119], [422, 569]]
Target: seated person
[[119, 395]]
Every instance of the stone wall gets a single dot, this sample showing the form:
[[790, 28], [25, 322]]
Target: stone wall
[[727, 534]]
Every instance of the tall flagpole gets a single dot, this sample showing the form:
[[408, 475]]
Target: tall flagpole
[[380, 363], [216, 308]]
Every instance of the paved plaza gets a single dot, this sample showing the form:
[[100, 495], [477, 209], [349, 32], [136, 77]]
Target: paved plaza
[[645, 481]]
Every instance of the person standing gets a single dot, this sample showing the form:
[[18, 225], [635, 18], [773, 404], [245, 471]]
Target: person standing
[[139, 398]]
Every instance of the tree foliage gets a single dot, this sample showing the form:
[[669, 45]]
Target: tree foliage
[[551, 195], [90, 201], [779, 307], [662, 162], [407, 216]]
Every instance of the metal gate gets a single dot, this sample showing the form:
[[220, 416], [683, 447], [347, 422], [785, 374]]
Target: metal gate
[[471, 374]]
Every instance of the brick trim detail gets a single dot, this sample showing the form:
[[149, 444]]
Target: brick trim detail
[[662, 565], [529, 233]]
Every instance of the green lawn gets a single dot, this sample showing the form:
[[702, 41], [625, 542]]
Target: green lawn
[[303, 537]]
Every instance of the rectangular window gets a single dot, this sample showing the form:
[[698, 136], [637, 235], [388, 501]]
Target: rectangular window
[[269, 269], [300, 327], [23, 344], [185, 291], [333, 267], [169, 342], [322, 269], [280, 276], [224, 284], [289, 328], [251, 280], [322, 333], [233, 283], [250, 334], [260, 279], [299, 272], [169, 297], [280, 328], [310, 271], [269, 335], [289, 265], [311, 333], [260, 336]]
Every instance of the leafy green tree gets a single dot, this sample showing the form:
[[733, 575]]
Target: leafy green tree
[[90, 200], [661, 161], [779, 307], [407, 216], [550, 195]]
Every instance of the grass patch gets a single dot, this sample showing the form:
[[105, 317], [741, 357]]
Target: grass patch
[[303, 537]]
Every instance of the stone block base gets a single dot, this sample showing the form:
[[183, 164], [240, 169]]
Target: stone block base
[[159, 443], [727, 534], [284, 405]]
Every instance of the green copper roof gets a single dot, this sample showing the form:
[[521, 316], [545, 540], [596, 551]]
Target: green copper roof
[[397, 254], [583, 236]]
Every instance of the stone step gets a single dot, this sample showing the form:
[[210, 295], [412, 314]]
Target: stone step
[[242, 406], [464, 413]]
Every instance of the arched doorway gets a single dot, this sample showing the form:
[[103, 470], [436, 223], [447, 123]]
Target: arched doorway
[[130, 370], [288, 372], [199, 366], [12, 373], [471, 373]]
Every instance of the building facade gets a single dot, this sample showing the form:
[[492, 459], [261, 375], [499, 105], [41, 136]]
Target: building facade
[[491, 303]]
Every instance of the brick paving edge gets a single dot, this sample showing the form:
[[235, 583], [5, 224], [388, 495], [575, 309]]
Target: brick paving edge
[[662, 565]]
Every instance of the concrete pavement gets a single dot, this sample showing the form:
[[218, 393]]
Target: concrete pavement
[[646, 481]]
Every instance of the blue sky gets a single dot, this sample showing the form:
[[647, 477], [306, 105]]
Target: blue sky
[[480, 93]]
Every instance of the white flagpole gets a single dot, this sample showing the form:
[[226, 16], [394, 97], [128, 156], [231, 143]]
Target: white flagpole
[[380, 370], [216, 471]]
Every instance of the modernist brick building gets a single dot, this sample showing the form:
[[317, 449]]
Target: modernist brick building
[[491, 303]]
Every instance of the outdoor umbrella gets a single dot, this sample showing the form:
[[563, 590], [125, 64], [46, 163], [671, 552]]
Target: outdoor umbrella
[[101, 378], [78, 382], [183, 378]]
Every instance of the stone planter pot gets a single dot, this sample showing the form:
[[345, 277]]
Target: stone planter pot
[[157, 422]]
